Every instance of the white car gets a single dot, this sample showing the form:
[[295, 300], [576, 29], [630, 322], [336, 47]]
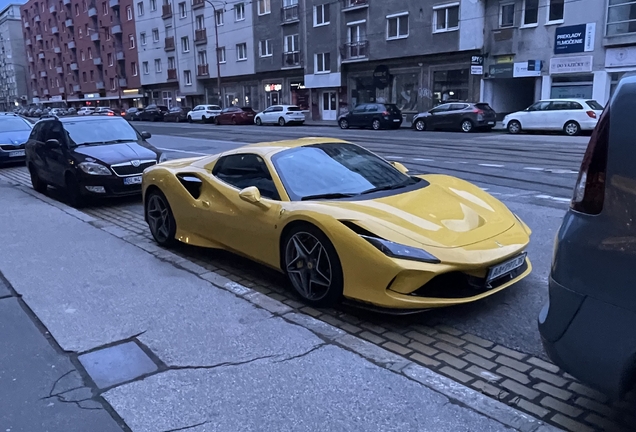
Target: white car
[[86, 111], [568, 115], [280, 115], [204, 113]]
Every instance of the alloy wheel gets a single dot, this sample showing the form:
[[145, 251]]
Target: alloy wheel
[[281, 121], [375, 124], [308, 266], [420, 125], [571, 128], [159, 218], [344, 124], [467, 126], [514, 127], [259, 122]]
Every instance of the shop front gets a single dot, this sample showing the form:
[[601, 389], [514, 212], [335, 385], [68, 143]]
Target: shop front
[[571, 77], [326, 95], [511, 85], [285, 91], [619, 62]]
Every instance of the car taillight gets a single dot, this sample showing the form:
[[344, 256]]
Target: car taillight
[[110, 114], [591, 114], [386, 113], [589, 192], [478, 111]]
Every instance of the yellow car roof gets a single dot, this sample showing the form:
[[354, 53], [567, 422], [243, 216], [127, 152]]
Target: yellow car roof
[[267, 148]]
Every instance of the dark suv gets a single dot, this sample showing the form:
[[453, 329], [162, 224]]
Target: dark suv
[[373, 115], [588, 326], [463, 116], [152, 113]]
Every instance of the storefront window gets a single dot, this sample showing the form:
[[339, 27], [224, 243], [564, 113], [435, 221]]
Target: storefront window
[[450, 85], [362, 91], [273, 94], [573, 86], [404, 91], [250, 97], [232, 96], [300, 96]]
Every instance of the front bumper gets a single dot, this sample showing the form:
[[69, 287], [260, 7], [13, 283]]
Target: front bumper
[[7, 158], [113, 186]]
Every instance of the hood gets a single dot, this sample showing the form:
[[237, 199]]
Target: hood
[[449, 213], [117, 153], [15, 137]]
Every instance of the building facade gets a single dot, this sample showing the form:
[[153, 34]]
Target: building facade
[[13, 59]]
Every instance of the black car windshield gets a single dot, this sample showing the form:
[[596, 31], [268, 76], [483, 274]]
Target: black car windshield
[[335, 170], [14, 124], [100, 132]]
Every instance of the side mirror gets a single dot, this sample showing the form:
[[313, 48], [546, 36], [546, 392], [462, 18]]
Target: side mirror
[[146, 135], [253, 196], [52, 144], [401, 168]]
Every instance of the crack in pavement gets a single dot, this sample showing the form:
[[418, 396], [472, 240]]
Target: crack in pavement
[[240, 363], [317, 347], [187, 427], [60, 396]]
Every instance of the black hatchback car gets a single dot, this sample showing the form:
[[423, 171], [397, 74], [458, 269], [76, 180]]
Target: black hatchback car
[[373, 115], [177, 114], [463, 116], [88, 156], [152, 113]]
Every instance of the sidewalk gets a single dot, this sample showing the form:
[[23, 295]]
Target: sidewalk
[[170, 345]]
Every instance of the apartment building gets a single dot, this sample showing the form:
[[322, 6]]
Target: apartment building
[[13, 60], [82, 52]]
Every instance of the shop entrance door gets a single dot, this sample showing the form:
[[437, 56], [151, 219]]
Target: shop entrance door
[[273, 98], [329, 105]]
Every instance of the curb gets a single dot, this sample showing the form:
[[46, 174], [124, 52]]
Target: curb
[[456, 392]]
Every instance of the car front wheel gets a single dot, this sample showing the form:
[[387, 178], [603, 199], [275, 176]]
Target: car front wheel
[[189, 119], [74, 196], [161, 222], [37, 183], [281, 121], [344, 124], [420, 125], [259, 122], [514, 127]]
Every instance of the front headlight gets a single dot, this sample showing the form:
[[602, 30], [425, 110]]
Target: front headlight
[[93, 168], [163, 157], [396, 250]]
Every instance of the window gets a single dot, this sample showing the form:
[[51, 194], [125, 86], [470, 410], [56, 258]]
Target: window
[[90, 53], [82, 55], [292, 43], [218, 17], [107, 31], [621, 17], [104, 8], [157, 65], [245, 170], [133, 68], [555, 10], [203, 57], [446, 18], [80, 32], [264, 7], [131, 41], [144, 67], [239, 12], [140, 8], [182, 10], [77, 10], [142, 38], [322, 63], [200, 22], [221, 54], [507, 15], [153, 5], [155, 35], [171, 63], [241, 51], [187, 77], [110, 59], [84, 5], [129, 13], [185, 44], [321, 15], [265, 48], [112, 84], [530, 12], [84, 77], [92, 75], [397, 26]]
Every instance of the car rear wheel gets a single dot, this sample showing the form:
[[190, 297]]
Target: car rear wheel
[[161, 222], [74, 196], [376, 124], [514, 127], [177, 120], [37, 183], [467, 126], [344, 124], [572, 128], [420, 125], [312, 266], [281, 121]]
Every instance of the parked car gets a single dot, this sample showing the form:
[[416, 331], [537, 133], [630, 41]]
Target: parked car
[[110, 112], [86, 111], [281, 115], [587, 326], [152, 113], [236, 115], [177, 114], [14, 133], [204, 113], [463, 116], [568, 115], [57, 112], [374, 115], [88, 156], [71, 111]]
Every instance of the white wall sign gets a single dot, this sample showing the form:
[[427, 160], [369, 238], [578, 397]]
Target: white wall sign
[[590, 36], [620, 57], [520, 70], [574, 64], [476, 70], [56, 98]]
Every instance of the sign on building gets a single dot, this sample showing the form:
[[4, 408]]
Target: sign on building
[[477, 65], [575, 39], [572, 64]]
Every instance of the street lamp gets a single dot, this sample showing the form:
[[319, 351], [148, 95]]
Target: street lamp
[[218, 62]]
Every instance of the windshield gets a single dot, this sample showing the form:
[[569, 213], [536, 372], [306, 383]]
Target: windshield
[[100, 132], [332, 169], [594, 105], [14, 124]]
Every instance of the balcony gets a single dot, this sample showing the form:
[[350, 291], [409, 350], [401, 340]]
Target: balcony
[[95, 37], [34, 76], [169, 44], [38, 38], [34, 93], [172, 74], [123, 82], [354, 4], [37, 18], [291, 59], [28, 42], [197, 4], [67, 2], [289, 14], [59, 69], [166, 11], [55, 30], [92, 12], [203, 70], [355, 50], [57, 50], [69, 23], [42, 74], [41, 56], [119, 55], [53, 9], [114, 4], [116, 29], [200, 36], [99, 85], [31, 59], [76, 87], [74, 66], [45, 92], [97, 61], [27, 25], [61, 90]]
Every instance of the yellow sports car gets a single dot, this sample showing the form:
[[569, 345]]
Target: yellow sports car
[[341, 221]]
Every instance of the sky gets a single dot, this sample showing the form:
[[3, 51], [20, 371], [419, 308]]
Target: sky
[[5, 3]]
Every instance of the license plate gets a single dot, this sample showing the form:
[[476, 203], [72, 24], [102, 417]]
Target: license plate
[[491, 123], [16, 153], [505, 268], [396, 120], [132, 180]]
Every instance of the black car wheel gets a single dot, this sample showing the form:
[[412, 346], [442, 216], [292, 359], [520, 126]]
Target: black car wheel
[[160, 219], [467, 126], [37, 183], [281, 121], [203, 119], [234, 121], [420, 125], [74, 196], [312, 266], [177, 120], [259, 122], [344, 124], [189, 119], [376, 125]]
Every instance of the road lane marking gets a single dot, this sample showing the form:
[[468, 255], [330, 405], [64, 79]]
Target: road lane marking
[[184, 151], [424, 160], [492, 165], [394, 157], [559, 199], [534, 169]]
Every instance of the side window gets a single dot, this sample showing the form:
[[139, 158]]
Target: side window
[[55, 130], [245, 170], [278, 108], [36, 132], [457, 107], [539, 106], [227, 109], [440, 109], [372, 108], [575, 106], [360, 109]]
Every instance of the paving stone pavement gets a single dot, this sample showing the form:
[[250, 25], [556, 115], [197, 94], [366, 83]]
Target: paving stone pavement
[[520, 380]]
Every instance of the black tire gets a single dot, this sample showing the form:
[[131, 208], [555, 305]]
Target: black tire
[[420, 125], [514, 127], [344, 124], [163, 235], [572, 128], [189, 119], [37, 183], [312, 266], [74, 196], [376, 125], [233, 121], [281, 121], [466, 126], [259, 122], [203, 120], [177, 120]]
